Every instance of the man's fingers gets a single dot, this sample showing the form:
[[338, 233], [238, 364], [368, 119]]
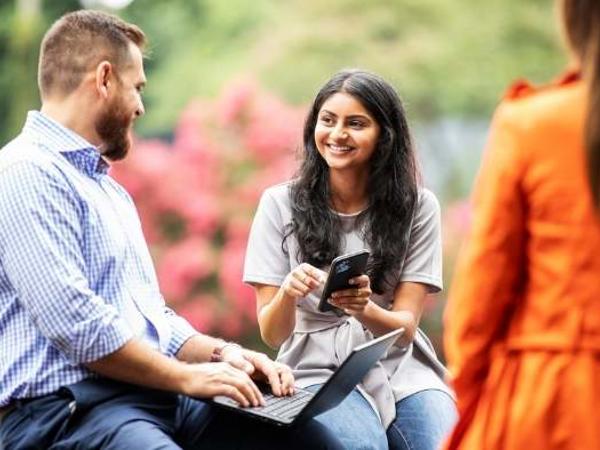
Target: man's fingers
[[287, 380], [242, 365], [268, 367], [232, 392], [245, 385], [248, 389]]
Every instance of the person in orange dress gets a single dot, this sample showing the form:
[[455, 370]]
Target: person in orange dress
[[523, 319]]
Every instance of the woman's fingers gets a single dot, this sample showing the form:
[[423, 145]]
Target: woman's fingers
[[302, 280], [353, 293]]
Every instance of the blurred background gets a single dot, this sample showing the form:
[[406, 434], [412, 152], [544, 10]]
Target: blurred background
[[229, 82]]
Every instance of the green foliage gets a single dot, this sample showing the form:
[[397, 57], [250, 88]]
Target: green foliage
[[20, 35], [447, 58]]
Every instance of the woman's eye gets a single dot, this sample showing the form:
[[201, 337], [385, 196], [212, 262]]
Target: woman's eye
[[326, 120], [357, 124]]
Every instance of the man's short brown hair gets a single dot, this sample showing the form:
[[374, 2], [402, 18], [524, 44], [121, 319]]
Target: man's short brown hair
[[77, 42]]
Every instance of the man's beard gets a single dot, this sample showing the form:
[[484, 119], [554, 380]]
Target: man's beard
[[113, 129]]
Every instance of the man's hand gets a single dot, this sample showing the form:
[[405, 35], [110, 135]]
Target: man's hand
[[260, 367], [207, 380]]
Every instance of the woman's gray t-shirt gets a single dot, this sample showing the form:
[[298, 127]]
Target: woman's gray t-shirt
[[321, 341]]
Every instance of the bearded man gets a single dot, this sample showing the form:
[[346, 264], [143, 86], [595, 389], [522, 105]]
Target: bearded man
[[90, 356]]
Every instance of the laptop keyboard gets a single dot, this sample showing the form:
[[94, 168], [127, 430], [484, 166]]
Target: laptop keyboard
[[282, 407]]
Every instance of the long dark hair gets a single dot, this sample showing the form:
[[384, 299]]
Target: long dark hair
[[582, 27], [391, 188]]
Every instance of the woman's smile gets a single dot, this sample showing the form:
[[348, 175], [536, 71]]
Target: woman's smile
[[346, 134]]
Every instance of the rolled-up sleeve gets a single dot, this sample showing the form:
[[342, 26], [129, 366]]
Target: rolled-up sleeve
[[181, 331], [41, 250]]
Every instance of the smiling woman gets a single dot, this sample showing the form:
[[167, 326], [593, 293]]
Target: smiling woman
[[346, 136], [357, 188]]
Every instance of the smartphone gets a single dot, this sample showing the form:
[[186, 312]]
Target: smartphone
[[343, 268]]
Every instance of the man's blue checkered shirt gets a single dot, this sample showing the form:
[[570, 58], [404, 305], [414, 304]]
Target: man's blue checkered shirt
[[76, 277]]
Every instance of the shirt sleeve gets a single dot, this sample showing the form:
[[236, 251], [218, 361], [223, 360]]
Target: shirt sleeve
[[266, 262], [41, 239], [489, 273], [181, 331], [423, 262]]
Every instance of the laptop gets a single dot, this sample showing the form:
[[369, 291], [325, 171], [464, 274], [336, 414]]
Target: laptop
[[303, 405]]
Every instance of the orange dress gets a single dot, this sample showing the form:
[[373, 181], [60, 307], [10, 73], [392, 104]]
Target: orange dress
[[523, 319]]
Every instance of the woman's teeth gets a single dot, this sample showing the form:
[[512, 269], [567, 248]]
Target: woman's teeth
[[340, 148]]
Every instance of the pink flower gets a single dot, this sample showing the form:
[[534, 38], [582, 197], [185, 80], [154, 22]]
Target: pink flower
[[200, 312], [274, 130], [197, 195], [236, 97], [230, 277], [456, 221], [183, 265], [232, 326]]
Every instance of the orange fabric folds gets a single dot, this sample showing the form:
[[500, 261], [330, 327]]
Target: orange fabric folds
[[523, 319]]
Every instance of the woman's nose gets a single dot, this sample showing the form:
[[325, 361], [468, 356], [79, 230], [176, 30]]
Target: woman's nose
[[339, 133]]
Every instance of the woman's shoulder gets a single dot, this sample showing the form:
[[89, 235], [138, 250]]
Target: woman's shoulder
[[279, 190], [428, 202], [529, 106], [277, 196]]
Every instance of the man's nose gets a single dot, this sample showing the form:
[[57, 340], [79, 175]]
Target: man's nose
[[140, 110]]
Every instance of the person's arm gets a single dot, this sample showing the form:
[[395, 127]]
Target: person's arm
[[41, 245], [406, 310], [490, 271], [138, 363], [257, 365], [267, 269], [276, 305], [41, 252]]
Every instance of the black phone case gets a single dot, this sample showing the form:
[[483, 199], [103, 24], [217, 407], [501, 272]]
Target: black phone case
[[342, 269]]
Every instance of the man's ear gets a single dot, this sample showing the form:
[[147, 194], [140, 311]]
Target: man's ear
[[104, 72]]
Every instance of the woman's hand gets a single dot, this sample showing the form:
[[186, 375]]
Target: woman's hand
[[302, 281], [353, 301]]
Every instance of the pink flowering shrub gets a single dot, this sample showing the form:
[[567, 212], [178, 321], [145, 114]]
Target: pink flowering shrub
[[197, 195]]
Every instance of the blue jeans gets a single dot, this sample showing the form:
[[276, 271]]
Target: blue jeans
[[96, 414], [423, 421], [354, 422]]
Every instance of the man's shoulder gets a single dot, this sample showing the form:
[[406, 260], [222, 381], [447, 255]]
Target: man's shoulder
[[20, 150], [22, 157]]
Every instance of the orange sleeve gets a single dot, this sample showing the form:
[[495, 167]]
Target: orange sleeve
[[488, 275]]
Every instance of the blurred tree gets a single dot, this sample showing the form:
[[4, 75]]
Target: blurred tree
[[21, 28], [447, 58]]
